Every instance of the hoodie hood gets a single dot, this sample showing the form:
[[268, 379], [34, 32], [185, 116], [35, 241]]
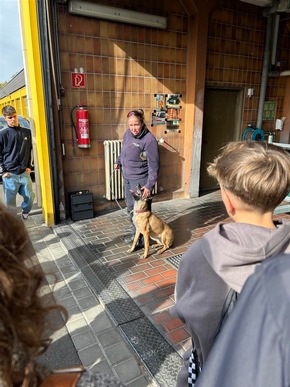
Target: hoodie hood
[[234, 249]]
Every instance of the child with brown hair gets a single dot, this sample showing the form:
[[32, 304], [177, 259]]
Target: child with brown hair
[[26, 320], [254, 177]]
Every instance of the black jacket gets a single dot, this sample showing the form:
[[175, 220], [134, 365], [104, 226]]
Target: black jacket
[[15, 149]]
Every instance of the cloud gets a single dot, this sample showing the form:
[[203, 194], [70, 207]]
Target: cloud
[[11, 60]]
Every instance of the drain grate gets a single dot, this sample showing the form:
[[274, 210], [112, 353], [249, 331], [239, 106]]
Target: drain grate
[[174, 260]]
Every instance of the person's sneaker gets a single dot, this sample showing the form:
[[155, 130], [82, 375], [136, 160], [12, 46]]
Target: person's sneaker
[[140, 242], [24, 215], [128, 238]]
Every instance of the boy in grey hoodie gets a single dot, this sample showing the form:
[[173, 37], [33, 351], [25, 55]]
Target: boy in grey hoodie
[[254, 178], [253, 347]]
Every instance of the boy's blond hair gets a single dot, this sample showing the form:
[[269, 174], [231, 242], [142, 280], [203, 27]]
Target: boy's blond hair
[[256, 172]]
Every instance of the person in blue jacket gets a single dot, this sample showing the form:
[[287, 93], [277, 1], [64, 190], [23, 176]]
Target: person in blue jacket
[[15, 162], [139, 160]]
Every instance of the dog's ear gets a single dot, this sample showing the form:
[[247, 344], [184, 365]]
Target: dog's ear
[[135, 195], [138, 189]]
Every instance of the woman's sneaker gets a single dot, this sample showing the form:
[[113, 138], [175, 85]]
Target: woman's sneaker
[[128, 238], [140, 242], [24, 215]]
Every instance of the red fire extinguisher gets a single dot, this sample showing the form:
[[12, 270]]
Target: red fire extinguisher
[[82, 128]]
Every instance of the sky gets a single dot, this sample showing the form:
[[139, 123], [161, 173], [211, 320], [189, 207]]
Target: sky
[[11, 61]]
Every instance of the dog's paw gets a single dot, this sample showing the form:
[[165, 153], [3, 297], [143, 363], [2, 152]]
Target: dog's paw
[[162, 250], [130, 250], [159, 248], [143, 256]]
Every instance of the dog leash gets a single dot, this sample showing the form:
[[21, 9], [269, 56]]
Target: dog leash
[[113, 192]]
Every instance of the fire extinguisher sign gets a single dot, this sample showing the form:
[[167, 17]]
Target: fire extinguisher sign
[[78, 80]]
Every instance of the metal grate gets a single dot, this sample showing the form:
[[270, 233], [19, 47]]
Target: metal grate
[[175, 260]]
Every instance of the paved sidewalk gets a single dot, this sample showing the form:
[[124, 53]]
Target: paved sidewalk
[[90, 337], [119, 303]]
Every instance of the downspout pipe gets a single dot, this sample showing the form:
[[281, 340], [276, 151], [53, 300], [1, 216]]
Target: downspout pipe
[[265, 70], [273, 9], [44, 51]]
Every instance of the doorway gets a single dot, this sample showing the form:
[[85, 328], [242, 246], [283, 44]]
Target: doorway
[[221, 124]]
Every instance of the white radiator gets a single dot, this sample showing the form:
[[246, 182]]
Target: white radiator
[[114, 180]]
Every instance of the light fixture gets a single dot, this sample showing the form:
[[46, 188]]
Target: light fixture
[[250, 93], [117, 14]]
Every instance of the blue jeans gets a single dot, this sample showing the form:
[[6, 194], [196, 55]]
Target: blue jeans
[[21, 184]]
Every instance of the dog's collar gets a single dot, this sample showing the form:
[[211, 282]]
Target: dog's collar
[[140, 211]]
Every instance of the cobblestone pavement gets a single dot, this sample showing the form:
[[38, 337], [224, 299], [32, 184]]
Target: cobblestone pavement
[[119, 303]]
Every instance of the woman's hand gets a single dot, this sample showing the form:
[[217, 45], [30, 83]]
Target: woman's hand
[[116, 166], [146, 192]]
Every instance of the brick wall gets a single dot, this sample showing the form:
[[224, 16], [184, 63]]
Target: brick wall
[[125, 66], [236, 45]]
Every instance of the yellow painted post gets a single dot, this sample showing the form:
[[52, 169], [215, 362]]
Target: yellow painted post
[[21, 102], [35, 96]]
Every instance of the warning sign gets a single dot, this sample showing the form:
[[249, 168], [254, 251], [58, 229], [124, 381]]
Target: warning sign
[[77, 80]]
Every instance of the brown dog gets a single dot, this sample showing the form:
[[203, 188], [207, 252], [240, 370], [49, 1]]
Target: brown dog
[[150, 225]]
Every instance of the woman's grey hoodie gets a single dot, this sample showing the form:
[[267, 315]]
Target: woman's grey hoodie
[[222, 259]]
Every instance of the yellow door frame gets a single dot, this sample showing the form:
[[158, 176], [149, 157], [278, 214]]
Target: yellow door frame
[[36, 102]]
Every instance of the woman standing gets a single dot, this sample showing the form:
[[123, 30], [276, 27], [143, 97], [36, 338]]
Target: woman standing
[[139, 160]]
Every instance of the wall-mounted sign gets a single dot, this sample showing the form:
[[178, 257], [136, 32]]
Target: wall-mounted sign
[[158, 117], [269, 111], [77, 80], [160, 101], [173, 100], [167, 111]]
